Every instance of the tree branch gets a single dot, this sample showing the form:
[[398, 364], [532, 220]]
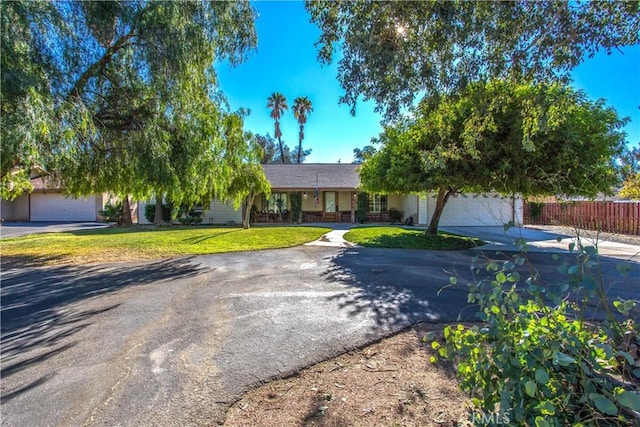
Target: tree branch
[[100, 64]]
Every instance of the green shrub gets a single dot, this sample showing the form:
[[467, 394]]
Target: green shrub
[[296, 206], [536, 358], [150, 212], [112, 213], [362, 207], [536, 210], [395, 215]]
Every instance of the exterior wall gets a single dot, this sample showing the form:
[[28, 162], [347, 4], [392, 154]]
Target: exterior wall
[[410, 207], [257, 202], [15, 210], [473, 210], [222, 213], [423, 211], [344, 201], [395, 201], [142, 219], [308, 203], [216, 213]]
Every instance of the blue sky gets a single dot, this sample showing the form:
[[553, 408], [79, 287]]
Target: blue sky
[[285, 61]]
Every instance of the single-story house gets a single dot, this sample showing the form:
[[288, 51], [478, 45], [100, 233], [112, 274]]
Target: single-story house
[[329, 194]]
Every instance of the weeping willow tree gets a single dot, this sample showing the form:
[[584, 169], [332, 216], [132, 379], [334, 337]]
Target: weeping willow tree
[[125, 94]]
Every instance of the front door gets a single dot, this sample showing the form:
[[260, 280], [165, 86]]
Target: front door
[[330, 209]]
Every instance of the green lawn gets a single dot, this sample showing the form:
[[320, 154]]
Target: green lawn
[[402, 238], [121, 244]]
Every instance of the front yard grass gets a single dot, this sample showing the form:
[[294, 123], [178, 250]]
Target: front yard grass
[[402, 238], [132, 244]]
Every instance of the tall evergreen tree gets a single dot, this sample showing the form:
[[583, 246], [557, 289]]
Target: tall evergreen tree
[[301, 108], [278, 104]]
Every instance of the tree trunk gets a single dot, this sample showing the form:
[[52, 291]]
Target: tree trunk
[[441, 201], [246, 222], [278, 135], [158, 217], [281, 150], [126, 212], [300, 142]]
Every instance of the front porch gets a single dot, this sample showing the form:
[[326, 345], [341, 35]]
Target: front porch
[[316, 206], [329, 206]]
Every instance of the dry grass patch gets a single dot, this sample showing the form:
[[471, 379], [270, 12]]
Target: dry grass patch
[[390, 383]]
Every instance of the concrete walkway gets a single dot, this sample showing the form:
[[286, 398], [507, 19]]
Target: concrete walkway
[[499, 239], [334, 238]]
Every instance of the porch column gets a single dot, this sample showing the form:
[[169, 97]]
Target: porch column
[[354, 199]]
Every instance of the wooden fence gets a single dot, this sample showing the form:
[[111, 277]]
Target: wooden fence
[[613, 217]]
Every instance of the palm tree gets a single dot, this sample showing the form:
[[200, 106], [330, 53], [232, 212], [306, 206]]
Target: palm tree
[[278, 103], [301, 109]]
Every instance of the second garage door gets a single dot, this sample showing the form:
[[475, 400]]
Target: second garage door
[[56, 207]]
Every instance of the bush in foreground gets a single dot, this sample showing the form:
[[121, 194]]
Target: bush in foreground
[[536, 359]]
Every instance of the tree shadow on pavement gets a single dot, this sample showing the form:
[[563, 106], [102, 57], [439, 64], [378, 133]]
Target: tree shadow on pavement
[[38, 319], [400, 287]]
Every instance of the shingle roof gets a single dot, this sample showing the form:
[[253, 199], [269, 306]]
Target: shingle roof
[[333, 176]]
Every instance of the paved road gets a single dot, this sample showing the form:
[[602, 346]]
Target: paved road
[[17, 229], [175, 342]]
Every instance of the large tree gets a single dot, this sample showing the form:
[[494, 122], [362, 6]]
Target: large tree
[[362, 154], [25, 109], [482, 140], [630, 162], [270, 153], [301, 108], [121, 80], [394, 51], [277, 102]]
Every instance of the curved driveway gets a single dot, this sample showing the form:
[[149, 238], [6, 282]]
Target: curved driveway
[[174, 342]]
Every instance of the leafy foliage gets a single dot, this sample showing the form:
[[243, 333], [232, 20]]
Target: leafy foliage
[[271, 154], [112, 212], [395, 215], [536, 355], [302, 106], [296, 205], [362, 207], [360, 155], [630, 174], [124, 93], [500, 136], [278, 104], [392, 52], [631, 188], [150, 211]]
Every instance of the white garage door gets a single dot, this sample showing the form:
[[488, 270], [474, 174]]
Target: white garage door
[[56, 207], [471, 210]]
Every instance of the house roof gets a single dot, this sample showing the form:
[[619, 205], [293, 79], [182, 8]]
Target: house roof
[[44, 182], [306, 176]]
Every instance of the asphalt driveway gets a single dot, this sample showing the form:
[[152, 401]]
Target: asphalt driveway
[[17, 229], [174, 342]]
